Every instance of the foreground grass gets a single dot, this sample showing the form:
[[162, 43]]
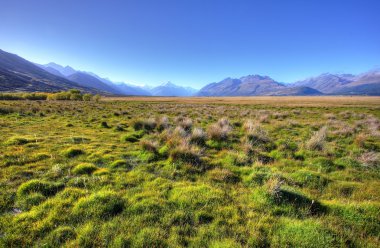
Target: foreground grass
[[172, 174]]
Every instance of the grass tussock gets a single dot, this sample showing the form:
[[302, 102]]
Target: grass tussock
[[317, 140]]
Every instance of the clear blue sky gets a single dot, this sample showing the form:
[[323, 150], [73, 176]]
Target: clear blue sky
[[195, 42]]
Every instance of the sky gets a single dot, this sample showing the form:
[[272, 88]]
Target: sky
[[195, 42]]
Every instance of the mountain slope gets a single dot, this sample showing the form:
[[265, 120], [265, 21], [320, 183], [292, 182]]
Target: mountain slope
[[86, 80], [170, 89], [327, 83], [336, 84], [252, 85], [297, 91], [18, 74], [65, 71]]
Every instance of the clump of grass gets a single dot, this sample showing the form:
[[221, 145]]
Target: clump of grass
[[370, 159], [79, 140], [101, 172], [256, 134], [132, 137], [103, 204], [119, 128], [149, 145], [84, 168], [72, 152], [32, 199], [187, 154], [186, 124], [148, 124], [306, 233], [222, 175], [150, 237], [121, 163], [220, 131], [163, 123], [318, 140], [273, 187], [104, 124], [17, 141], [61, 236], [198, 136], [38, 186]]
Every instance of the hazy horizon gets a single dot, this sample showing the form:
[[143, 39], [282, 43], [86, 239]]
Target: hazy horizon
[[192, 43]]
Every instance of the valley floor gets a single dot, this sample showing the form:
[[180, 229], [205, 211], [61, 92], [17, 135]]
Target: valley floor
[[198, 172]]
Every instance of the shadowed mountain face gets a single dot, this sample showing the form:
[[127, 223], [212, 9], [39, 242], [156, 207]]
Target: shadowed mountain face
[[346, 84], [90, 81], [18, 74], [253, 85], [326, 83]]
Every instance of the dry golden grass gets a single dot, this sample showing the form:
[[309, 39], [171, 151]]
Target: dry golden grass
[[317, 101]]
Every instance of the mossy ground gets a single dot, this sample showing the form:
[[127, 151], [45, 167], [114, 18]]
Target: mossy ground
[[147, 179]]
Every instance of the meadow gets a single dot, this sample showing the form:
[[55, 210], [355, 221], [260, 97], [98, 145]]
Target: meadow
[[190, 172]]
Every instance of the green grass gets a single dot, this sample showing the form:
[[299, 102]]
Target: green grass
[[183, 174]]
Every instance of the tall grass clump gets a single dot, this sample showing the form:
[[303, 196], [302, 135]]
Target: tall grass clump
[[255, 133], [198, 136], [187, 154], [220, 131], [318, 140], [148, 124]]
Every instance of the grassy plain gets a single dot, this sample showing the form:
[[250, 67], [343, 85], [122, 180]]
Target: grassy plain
[[197, 172]]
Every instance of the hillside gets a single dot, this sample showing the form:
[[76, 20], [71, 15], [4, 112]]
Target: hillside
[[18, 74]]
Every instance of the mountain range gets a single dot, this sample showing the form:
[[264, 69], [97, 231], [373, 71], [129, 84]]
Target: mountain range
[[19, 75], [326, 84]]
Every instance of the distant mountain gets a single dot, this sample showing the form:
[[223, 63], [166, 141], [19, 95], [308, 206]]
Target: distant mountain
[[18, 74], [372, 89], [252, 85], [346, 84], [131, 90], [65, 71], [87, 80], [296, 91], [327, 83], [170, 89]]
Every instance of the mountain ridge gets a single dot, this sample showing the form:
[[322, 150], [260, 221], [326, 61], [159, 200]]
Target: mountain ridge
[[19, 74]]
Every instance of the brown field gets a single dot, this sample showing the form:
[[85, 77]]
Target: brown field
[[317, 101]]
